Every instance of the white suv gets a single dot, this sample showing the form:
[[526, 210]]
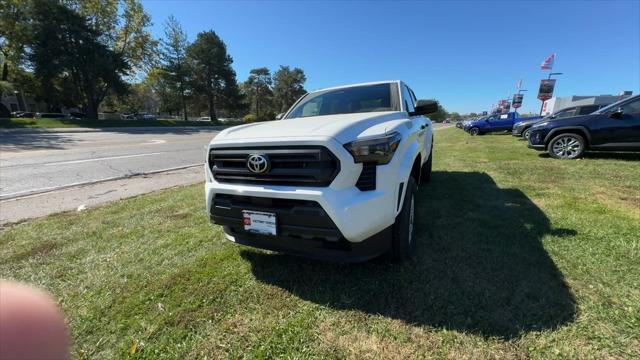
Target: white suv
[[336, 178]]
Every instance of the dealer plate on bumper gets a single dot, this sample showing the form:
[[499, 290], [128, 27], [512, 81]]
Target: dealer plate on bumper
[[259, 222]]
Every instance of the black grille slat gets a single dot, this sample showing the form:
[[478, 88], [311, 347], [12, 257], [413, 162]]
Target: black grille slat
[[367, 179], [305, 166]]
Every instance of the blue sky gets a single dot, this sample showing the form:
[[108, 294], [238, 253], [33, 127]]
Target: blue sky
[[466, 54]]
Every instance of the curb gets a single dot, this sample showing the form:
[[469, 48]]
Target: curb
[[18, 196], [110, 129]]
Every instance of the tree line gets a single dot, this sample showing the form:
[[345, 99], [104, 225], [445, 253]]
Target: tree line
[[99, 54]]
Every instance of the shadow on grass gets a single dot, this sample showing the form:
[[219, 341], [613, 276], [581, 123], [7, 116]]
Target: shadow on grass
[[479, 266], [605, 155]]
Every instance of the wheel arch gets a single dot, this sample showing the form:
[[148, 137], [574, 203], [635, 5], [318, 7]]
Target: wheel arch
[[415, 168], [578, 130]]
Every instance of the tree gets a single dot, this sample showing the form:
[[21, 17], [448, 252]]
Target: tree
[[439, 115], [288, 86], [174, 58], [14, 34], [157, 82], [70, 62], [212, 73], [122, 27], [258, 86]]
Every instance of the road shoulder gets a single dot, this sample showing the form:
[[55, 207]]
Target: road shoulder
[[83, 197]]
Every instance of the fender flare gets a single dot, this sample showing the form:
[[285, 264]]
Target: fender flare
[[554, 131], [404, 171]]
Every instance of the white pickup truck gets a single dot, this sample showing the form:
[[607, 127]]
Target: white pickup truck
[[335, 178]]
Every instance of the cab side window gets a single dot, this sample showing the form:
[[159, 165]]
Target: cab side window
[[632, 108], [407, 99], [586, 110]]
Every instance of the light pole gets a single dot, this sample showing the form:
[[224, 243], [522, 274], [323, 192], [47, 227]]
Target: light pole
[[548, 78]]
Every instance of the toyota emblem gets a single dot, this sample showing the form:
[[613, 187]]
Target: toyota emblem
[[257, 163]]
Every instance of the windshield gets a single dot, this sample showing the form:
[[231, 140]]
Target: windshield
[[564, 113], [357, 99]]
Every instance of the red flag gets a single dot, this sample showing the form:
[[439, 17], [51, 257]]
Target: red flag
[[547, 64]]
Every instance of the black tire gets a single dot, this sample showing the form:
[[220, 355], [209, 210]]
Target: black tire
[[566, 146], [425, 171], [403, 240], [526, 133], [474, 131]]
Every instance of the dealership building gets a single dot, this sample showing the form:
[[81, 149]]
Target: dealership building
[[558, 103]]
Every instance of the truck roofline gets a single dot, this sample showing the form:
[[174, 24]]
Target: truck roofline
[[359, 84]]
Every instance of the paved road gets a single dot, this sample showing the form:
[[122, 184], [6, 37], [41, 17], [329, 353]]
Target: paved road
[[43, 161], [36, 162]]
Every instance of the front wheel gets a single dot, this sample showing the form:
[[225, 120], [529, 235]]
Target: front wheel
[[474, 131], [526, 134], [403, 242], [566, 146]]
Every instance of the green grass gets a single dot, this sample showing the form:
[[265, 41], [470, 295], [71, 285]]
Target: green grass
[[45, 123], [519, 256]]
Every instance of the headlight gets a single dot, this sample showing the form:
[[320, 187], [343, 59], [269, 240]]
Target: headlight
[[379, 150], [540, 125]]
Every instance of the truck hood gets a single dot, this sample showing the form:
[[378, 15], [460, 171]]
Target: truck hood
[[567, 121], [342, 127], [528, 121]]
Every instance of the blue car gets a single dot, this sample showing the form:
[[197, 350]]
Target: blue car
[[612, 128], [494, 123]]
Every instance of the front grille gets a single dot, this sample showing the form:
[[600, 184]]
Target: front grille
[[299, 166], [367, 179]]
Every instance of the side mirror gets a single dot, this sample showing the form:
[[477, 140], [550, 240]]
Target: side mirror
[[617, 114], [279, 116], [424, 107]]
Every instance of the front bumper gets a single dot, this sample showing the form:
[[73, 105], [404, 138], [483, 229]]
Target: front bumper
[[304, 229], [355, 215], [343, 250], [517, 131], [536, 140]]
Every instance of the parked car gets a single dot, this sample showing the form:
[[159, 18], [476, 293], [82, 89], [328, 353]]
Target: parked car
[[22, 114], [494, 123], [521, 127], [336, 178], [613, 128], [145, 117], [26, 115], [205, 118], [52, 115], [77, 115]]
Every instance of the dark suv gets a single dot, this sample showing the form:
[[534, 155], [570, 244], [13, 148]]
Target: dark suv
[[614, 128], [521, 128]]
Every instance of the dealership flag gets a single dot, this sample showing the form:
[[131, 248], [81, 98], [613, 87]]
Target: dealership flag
[[547, 64]]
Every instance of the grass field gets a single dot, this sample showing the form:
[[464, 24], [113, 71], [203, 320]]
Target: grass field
[[519, 256], [44, 123]]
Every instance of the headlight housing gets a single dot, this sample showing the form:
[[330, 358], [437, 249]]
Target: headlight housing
[[540, 125], [379, 150]]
